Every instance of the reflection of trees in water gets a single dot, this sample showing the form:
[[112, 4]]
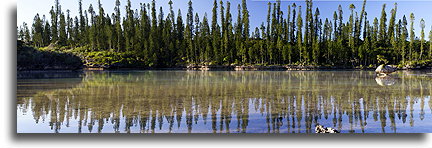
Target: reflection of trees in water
[[287, 100], [28, 88]]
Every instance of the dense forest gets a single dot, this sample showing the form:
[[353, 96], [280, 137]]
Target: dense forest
[[147, 38]]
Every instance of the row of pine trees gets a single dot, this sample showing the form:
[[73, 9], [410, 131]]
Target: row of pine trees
[[165, 41]]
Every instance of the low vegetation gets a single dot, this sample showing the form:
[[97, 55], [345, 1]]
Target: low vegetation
[[30, 58]]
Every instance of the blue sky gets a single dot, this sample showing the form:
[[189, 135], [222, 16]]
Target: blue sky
[[27, 9]]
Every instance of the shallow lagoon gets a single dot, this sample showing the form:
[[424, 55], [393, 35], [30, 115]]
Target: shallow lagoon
[[223, 102]]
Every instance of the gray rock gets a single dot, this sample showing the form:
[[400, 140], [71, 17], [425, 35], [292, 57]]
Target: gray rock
[[387, 69]]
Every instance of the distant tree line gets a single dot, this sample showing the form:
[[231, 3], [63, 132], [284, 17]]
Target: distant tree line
[[164, 41]]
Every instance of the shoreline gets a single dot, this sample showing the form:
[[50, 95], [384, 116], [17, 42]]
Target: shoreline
[[221, 68]]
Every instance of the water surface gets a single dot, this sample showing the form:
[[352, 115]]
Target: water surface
[[223, 102]]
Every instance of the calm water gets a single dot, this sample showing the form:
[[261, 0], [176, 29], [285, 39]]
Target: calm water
[[223, 102]]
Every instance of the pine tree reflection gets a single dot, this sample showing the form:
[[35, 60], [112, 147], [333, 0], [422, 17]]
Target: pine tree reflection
[[232, 102]]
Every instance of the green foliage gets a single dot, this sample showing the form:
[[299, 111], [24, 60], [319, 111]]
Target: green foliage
[[29, 58], [381, 59], [111, 59], [417, 64]]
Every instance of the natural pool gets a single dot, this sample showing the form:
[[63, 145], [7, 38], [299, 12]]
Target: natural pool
[[223, 102]]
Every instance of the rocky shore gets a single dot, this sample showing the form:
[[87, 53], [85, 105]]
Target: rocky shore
[[201, 68], [283, 68]]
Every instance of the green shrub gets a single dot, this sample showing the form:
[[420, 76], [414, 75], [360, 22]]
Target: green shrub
[[29, 58]]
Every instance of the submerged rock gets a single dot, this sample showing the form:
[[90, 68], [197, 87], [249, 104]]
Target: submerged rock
[[321, 129], [387, 69]]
